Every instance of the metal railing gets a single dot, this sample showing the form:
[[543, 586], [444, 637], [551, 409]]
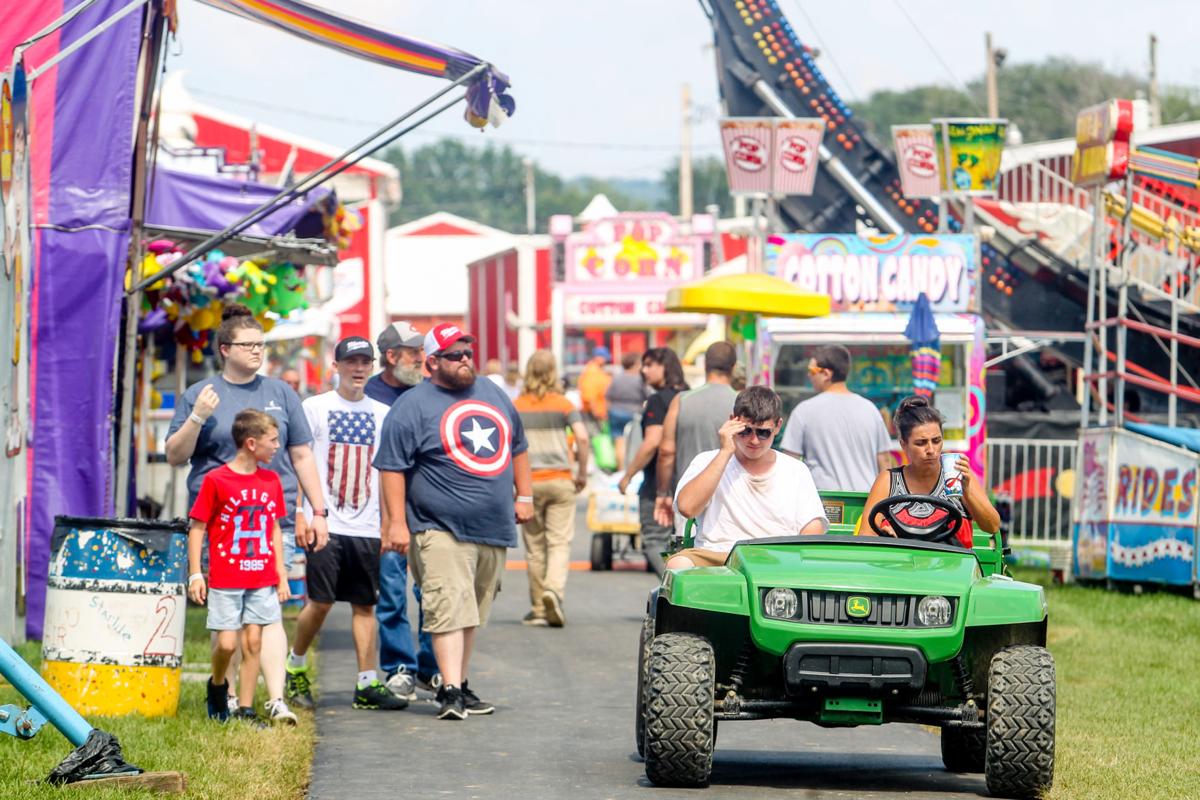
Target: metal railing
[[1025, 477], [1159, 263]]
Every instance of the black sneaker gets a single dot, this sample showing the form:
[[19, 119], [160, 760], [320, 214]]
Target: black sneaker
[[552, 605], [452, 703], [218, 706], [429, 683], [298, 688], [473, 704], [247, 715], [376, 696]]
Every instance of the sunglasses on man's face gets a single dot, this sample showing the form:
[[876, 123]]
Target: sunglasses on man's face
[[815, 370], [458, 355], [761, 433]]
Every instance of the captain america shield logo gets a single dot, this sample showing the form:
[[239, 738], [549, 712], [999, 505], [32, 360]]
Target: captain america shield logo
[[475, 436]]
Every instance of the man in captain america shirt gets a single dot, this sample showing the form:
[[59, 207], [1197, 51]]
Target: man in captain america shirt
[[455, 480]]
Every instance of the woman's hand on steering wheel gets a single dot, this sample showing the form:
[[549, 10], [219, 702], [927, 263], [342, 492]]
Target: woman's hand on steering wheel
[[943, 530]]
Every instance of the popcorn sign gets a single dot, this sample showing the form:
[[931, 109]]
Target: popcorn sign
[[916, 158], [772, 155], [747, 142]]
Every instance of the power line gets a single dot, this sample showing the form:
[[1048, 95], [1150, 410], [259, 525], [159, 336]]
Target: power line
[[912, 23], [825, 51]]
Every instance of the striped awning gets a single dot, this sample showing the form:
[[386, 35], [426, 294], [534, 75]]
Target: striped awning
[[486, 96], [1163, 165]]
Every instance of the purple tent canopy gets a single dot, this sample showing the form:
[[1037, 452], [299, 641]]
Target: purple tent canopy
[[210, 202]]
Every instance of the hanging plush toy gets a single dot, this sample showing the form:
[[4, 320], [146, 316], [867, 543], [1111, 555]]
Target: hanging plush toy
[[287, 293], [256, 282]]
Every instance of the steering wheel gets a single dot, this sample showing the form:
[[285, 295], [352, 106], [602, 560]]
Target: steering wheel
[[943, 531]]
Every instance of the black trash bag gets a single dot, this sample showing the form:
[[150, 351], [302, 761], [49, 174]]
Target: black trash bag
[[98, 757]]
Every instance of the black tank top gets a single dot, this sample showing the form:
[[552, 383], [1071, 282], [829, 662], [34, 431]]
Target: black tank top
[[923, 515]]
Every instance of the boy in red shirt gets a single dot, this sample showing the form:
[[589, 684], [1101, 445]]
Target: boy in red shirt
[[238, 508]]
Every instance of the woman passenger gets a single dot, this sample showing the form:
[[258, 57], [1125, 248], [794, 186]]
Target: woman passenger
[[920, 428]]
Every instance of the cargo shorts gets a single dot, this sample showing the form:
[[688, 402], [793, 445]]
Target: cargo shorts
[[458, 580]]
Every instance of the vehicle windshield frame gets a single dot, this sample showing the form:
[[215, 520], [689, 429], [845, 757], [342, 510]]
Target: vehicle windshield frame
[[858, 541]]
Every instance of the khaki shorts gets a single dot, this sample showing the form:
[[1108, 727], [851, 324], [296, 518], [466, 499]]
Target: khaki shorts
[[458, 580], [703, 558]]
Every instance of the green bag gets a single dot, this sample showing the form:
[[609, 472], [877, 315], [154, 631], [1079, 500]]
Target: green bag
[[603, 451]]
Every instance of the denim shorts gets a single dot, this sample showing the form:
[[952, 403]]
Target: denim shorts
[[230, 609]]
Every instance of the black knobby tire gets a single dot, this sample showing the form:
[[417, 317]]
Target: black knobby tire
[[602, 552], [679, 737], [639, 729], [964, 749], [1020, 722]]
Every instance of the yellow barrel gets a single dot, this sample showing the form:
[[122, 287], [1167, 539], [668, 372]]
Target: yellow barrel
[[115, 609]]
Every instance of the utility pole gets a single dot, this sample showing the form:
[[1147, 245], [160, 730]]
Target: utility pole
[[993, 60], [685, 157], [530, 199], [1155, 108]]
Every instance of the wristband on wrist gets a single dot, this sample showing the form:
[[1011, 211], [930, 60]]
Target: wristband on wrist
[[324, 512], [523, 499], [196, 418], [192, 578]]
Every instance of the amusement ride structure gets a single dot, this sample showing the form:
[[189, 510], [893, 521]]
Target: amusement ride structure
[[1045, 230]]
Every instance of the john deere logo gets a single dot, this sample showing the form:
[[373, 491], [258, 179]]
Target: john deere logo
[[858, 607]]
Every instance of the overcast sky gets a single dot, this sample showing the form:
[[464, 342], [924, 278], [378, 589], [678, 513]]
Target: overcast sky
[[598, 84]]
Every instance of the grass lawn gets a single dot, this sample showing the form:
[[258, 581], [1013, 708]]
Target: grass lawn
[[220, 761], [1128, 695]]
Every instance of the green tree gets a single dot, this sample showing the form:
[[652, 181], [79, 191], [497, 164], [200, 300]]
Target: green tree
[[487, 185], [1043, 99], [710, 186]]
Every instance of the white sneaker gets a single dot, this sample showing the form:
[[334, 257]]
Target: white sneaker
[[278, 712], [403, 685]]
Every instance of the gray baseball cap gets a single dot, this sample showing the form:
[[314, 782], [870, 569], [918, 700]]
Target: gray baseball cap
[[400, 334]]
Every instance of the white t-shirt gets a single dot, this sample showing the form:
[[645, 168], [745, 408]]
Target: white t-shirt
[[345, 439], [746, 506]]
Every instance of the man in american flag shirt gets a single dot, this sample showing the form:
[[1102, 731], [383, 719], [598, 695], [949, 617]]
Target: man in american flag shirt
[[345, 425]]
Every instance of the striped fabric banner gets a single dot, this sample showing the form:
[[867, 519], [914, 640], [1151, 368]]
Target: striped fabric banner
[[1163, 165], [926, 370], [487, 99]]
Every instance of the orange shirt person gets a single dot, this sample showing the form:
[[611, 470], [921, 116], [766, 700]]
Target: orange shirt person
[[593, 384]]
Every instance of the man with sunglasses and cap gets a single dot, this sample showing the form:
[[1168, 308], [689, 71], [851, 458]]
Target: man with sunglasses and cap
[[455, 479], [746, 490]]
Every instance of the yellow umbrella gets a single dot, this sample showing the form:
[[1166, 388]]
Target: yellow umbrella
[[747, 293]]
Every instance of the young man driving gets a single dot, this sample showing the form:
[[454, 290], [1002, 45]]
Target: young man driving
[[746, 490]]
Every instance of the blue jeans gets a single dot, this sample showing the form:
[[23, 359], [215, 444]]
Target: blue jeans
[[396, 649]]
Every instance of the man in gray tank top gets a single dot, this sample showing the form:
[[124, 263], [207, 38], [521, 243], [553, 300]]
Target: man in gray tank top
[[692, 422]]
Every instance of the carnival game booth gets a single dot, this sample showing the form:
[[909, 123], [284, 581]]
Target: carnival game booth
[[874, 285], [511, 295], [1135, 517], [614, 275]]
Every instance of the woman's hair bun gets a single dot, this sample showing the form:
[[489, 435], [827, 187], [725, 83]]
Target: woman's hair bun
[[232, 310], [913, 401]]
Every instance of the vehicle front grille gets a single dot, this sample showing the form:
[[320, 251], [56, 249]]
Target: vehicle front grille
[[887, 610]]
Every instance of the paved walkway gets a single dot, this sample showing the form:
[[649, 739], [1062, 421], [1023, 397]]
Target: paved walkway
[[564, 721]]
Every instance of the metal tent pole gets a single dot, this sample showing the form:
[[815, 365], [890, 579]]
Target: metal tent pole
[[152, 53], [331, 169]]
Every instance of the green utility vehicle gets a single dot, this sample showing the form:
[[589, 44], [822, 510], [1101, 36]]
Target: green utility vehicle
[[844, 630]]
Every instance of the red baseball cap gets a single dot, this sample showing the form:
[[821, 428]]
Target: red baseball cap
[[443, 335]]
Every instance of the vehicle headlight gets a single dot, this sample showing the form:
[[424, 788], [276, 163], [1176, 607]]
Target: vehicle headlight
[[780, 603], [933, 611]]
